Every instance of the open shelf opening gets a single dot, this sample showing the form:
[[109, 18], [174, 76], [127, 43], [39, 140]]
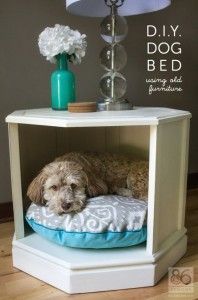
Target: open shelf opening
[[39, 145]]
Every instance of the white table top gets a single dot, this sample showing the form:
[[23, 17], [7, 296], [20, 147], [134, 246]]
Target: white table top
[[138, 116]]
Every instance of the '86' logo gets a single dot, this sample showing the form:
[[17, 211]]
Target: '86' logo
[[180, 280], [178, 277]]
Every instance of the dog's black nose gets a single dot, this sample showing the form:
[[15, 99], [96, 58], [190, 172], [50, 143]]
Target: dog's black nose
[[66, 206]]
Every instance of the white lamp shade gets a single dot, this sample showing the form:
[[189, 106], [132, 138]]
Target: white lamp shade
[[98, 8]]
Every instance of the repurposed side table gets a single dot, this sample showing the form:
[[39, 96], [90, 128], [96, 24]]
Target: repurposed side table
[[159, 134]]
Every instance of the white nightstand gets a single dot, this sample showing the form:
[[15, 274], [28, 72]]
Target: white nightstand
[[160, 134]]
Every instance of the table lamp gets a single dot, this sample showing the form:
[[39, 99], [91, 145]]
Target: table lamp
[[114, 29]]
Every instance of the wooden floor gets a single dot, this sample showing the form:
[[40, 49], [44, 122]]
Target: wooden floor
[[15, 284]]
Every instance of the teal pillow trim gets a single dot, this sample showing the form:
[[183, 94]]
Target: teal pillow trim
[[99, 240]]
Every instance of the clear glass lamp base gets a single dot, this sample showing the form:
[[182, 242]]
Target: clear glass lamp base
[[107, 105]]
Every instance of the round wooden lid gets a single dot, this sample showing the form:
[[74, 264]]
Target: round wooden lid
[[82, 107]]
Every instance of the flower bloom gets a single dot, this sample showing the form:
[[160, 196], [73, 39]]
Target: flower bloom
[[62, 39]]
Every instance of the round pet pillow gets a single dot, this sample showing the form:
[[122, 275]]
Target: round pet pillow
[[106, 222]]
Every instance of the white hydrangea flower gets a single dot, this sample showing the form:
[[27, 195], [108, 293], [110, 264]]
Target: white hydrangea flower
[[62, 39]]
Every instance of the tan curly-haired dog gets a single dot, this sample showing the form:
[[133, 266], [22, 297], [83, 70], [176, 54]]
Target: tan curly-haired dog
[[65, 184]]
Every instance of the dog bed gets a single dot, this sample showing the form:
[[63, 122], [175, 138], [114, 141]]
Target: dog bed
[[106, 222]]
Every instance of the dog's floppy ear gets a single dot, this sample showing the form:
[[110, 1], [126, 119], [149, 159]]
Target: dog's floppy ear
[[95, 185], [35, 189]]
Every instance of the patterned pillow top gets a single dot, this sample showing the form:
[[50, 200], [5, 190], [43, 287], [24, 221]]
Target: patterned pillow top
[[106, 222]]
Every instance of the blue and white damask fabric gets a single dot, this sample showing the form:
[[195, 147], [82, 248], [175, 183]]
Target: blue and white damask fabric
[[106, 222]]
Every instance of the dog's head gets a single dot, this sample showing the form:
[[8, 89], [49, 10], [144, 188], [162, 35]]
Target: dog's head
[[64, 186]]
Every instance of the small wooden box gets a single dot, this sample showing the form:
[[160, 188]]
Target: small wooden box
[[159, 134]]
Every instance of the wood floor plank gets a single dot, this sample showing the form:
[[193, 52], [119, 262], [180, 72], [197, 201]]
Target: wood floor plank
[[5, 246], [6, 266]]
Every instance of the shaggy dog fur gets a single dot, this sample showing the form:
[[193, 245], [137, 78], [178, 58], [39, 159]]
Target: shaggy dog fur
[[65, 184]]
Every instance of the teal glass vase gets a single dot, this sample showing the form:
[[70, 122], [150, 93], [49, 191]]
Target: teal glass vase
[[62, 84]]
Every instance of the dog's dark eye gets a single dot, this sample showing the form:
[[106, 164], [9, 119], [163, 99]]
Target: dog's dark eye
[[54, 187], [73, 186]]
